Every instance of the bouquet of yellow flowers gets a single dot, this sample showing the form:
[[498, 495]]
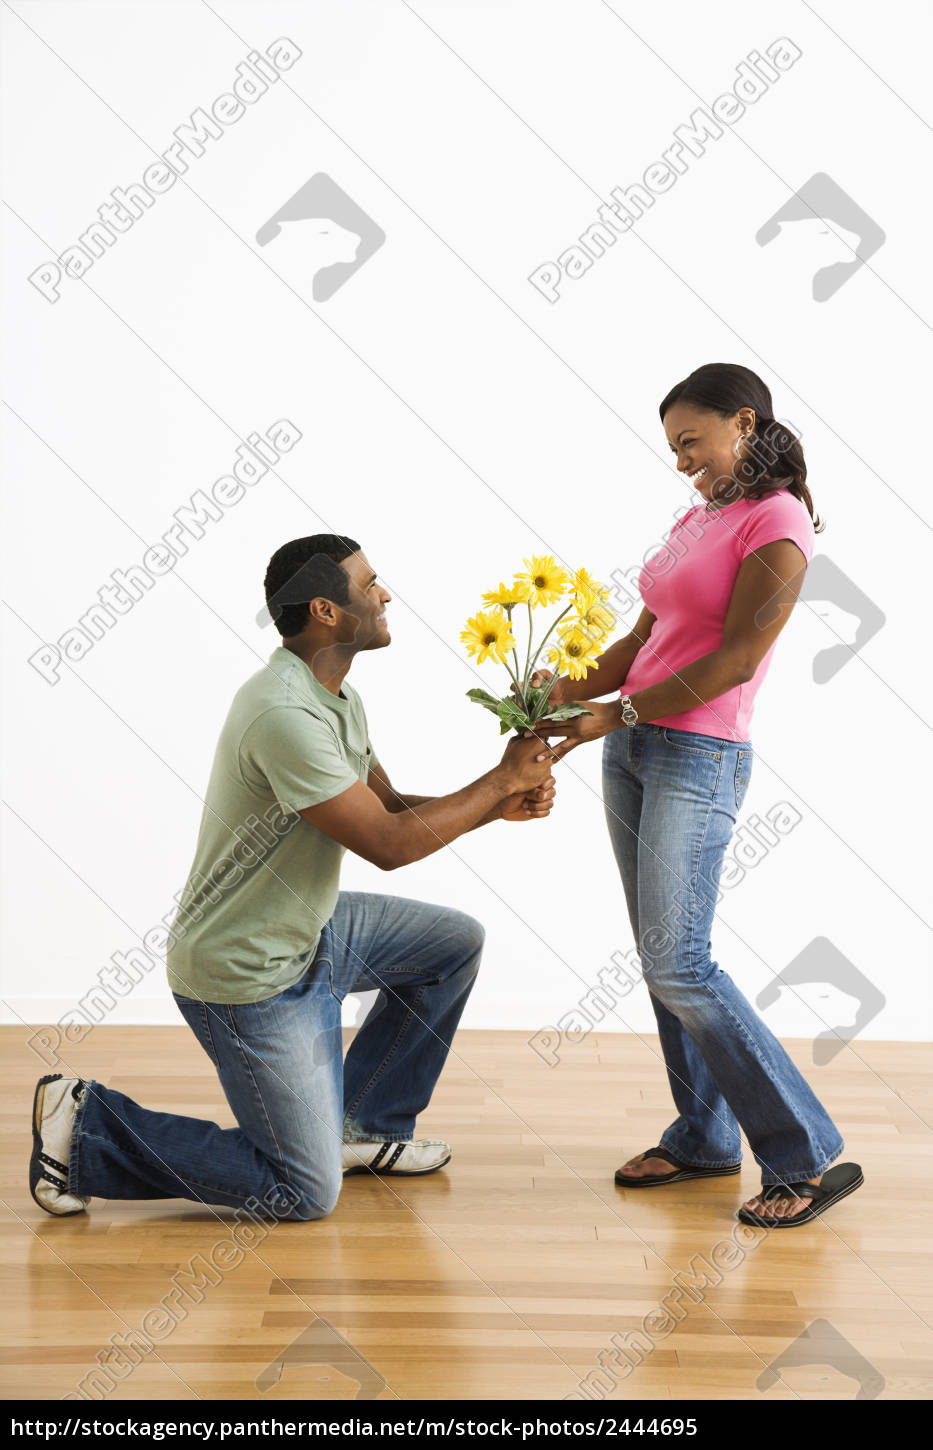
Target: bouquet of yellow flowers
[[582, 626]]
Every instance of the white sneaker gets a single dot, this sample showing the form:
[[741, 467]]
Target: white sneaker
[[402, 1160], [53, 1112]]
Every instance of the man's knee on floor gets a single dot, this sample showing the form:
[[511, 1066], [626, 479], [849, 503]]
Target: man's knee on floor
[[317, 1203], [311, 1191]]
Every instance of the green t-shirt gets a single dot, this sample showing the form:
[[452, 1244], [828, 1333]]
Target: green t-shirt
[[264, 881]]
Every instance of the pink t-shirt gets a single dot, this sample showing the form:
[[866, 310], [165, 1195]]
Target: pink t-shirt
[[687, 585]]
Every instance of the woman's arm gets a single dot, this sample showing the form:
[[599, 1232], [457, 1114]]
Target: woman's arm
[[613, 666], [765, 591]]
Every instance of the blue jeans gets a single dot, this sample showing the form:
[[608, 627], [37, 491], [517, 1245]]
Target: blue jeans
[[280, 1063], [671, 798]]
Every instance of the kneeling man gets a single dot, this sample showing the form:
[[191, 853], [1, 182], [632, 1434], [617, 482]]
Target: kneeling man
[[264, 946]]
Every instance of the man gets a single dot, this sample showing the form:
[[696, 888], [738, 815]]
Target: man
[[264, 946]]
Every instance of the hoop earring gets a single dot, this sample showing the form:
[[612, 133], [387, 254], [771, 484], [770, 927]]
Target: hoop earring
[[738, 443]]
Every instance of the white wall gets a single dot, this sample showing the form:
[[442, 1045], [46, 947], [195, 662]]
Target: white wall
[[454, 420]]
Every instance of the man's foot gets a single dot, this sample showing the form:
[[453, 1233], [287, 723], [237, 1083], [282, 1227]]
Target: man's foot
[[401, 1160], [53, 1111]]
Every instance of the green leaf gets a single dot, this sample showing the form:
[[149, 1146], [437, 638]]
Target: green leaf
[[483, 697], [533, 698], [565, 712], [512, 716]]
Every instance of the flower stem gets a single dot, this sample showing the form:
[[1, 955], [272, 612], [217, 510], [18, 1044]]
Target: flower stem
[[521, 693], [542, 706], [548, 635], [528, 655]]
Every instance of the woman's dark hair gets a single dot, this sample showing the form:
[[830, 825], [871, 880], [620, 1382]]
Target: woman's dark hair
[[776, 454], [306, 569]]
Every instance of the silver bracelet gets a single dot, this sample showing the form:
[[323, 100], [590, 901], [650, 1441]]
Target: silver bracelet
[[629, 713]]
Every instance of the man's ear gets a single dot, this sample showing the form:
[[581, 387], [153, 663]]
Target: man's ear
[[323, 611]]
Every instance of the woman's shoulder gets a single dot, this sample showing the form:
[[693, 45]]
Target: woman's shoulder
[[778, 514], [777, 503]]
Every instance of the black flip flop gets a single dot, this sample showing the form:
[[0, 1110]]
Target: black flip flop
[[845, 1178], [681, 1171]]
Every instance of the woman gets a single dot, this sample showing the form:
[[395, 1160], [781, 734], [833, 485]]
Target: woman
[[676, 767]]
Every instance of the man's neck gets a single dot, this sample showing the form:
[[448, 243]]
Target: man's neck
[[329, 664]]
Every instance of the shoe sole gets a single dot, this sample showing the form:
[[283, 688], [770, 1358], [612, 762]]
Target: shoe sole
[[395, 1172], [36, 1170]]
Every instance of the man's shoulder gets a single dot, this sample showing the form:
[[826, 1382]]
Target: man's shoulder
[[279, 682]]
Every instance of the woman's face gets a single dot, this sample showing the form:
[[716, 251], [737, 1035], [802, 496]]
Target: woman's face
[[705, 447]]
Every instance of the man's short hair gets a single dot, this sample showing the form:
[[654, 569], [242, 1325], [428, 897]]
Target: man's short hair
[[306, 569]]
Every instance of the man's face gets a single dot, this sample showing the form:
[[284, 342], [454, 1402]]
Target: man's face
[[364, 620]]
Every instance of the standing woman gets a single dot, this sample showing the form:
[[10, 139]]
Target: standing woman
[[676, 766]]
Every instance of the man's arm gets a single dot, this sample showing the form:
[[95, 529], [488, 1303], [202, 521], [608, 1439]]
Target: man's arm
[[359, 819], [380, 785], [530, 805]]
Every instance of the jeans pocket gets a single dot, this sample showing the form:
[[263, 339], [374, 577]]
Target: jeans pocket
[[743, 774], [688, 742]]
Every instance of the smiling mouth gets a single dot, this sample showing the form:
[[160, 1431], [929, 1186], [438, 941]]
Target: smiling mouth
[[700, 473]]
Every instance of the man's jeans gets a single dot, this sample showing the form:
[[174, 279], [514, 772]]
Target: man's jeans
[[672, 797], [281, 1068]]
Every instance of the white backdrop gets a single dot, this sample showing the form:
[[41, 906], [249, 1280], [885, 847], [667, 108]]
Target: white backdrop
[[454, 420]]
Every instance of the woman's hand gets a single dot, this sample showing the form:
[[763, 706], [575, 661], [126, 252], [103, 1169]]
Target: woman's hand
[[558, 694], [604, 717]]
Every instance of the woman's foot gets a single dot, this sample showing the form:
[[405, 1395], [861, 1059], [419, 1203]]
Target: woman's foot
[[788, 1205], [644, 1166], [656, 1166]]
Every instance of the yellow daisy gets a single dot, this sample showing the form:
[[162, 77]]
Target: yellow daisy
[[544, 579], [488, 635], [586, 587], [576, 654], [507, 595], [596, 619]]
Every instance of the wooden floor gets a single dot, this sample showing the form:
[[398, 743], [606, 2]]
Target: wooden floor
[[515, 1272]]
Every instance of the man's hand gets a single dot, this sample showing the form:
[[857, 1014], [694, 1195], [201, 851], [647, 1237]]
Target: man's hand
[[525, 764], [531, 805]]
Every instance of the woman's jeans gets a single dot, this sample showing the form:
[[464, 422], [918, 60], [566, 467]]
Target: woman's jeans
[[672, 797], [280, 1062]]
